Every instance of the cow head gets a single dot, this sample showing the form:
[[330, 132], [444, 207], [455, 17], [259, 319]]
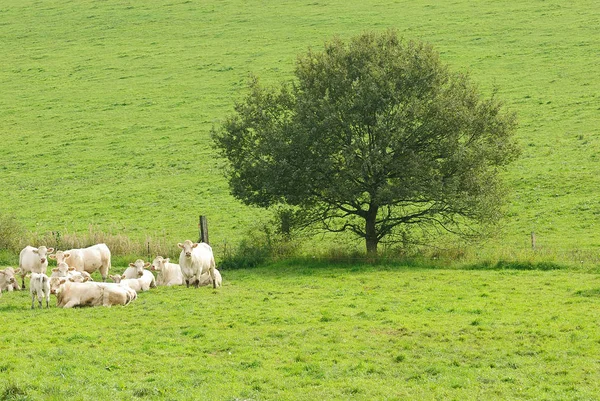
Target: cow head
[[139, 266], [187, 247], [158, 263], [43, 252], [62, 269], [59, 256]]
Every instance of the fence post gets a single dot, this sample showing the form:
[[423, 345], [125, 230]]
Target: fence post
[[203, 226]]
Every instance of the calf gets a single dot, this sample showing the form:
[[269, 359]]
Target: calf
[[33, 260], [39, 286]]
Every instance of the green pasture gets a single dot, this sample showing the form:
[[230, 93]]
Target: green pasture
[[106, 106], [312, 332]]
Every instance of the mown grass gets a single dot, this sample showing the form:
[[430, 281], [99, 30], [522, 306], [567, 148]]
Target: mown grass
[[106, 107], [299, 332]]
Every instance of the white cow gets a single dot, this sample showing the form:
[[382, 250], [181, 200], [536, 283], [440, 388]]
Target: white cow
[[138, 284], [39, 286], [205, 279], [33, 260], [194, 260], [167, 273], [136, 269], [8, 282], [62, 269], [70, 294], [90, 259]]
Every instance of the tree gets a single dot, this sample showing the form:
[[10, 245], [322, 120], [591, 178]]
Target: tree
[[372, 136]]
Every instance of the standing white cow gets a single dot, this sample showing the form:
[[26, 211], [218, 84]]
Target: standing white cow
[[167, 273], [90, 259], [39, 286], [33, 260], [194, 260]]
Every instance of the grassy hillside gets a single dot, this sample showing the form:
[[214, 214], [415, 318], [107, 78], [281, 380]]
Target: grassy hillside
[[106, 106], [297, 333]]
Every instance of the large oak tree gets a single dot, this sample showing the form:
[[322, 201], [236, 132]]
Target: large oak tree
[[372, 136]]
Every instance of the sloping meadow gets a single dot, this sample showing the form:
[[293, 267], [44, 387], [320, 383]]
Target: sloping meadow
[[316, 333], [106, 107]]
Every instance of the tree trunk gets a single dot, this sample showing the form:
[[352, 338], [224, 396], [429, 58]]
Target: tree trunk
[[371, 238]]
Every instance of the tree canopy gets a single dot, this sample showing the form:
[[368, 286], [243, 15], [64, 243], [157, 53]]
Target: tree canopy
[[372, 136]]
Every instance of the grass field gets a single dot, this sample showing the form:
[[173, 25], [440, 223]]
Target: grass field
[[105, 113], [317, 333], [106, 107]]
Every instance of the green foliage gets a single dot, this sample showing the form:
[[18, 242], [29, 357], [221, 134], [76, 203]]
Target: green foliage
[[260, 246], [517, 265], [373, 135], [11, 234], [298, 333]]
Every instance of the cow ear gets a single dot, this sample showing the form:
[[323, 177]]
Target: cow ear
[[2, 272], [62, 280], [50, 250], [55, 269], [132, 264], [53, 257], [66, 255], [167, 260], [180, 245], [35, 250], [17, 271], [147, 264], [71, 269], [195, 245], [85, 279]]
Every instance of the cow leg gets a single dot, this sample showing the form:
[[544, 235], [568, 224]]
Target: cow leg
[[32, 300], [23, 282], [187, 283], [104, 272]]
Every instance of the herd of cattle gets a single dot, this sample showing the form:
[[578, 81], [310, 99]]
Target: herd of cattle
[[72, 283]]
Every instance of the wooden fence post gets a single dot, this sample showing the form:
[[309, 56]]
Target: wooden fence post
[[203, 226]]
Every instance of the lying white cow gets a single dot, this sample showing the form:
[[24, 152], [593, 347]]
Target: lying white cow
[[137, 271], [205, 279], [167, 273], [90, 259], [8, 282], [39, 287], [33, 260], [138, 284], [70, 294]]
